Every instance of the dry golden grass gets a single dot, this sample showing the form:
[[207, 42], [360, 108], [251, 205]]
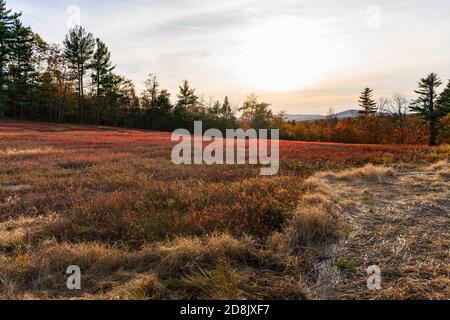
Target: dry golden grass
[[369, 173], [442, 168], [28, 151], [145, 286], [218, 267], [314, 221]]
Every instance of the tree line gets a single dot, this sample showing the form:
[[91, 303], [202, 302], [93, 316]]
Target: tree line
[[77, 83], [387, 120], [430, 106]]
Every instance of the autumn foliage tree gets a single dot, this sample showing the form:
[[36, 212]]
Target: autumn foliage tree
[[255, 114]]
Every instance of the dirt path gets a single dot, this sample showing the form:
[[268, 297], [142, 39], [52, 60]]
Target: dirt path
[[399, 222]]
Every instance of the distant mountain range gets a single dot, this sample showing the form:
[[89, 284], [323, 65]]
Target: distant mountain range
[[312, 117]]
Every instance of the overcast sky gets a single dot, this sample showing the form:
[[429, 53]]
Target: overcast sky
[[303, 56]]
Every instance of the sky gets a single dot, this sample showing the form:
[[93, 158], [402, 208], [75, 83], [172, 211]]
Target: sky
[[302, 56]]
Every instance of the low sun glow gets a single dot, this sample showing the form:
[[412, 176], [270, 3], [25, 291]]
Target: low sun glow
[[284, 54]]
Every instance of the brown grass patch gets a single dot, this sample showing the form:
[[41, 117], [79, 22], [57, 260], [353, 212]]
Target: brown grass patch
[[369, 173], [32, 151], [215, 267], [315, 221], [442, 168]]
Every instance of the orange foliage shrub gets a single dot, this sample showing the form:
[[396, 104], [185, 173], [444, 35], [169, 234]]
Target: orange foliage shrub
[[369, 130]]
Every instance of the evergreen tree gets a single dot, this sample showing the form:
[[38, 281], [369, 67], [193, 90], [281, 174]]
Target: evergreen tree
[[186, 108], [367, 103], [21, 71], [216, 109], [78, 50], [443, 102], [163, 110], [113, 95], [227, 111], [101, 74], [7, 21], [187, 98], [425, 105], [163, 102]]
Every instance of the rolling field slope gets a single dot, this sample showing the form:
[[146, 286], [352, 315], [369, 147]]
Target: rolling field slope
[[111, 202]]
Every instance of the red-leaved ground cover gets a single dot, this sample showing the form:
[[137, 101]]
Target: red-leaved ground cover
[[98, 173], [25, 134], [98, 196]]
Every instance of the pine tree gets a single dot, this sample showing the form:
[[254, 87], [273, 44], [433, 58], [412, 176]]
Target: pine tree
[[216, 109], [230, 121], [101, 70], [78, 50], [21, 70], [7, 20], [186, 109], [425, 105], [163, 102], [187, 98], [113, 94], [367, 103], [163, 110], [443, 102], [227, 112]]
